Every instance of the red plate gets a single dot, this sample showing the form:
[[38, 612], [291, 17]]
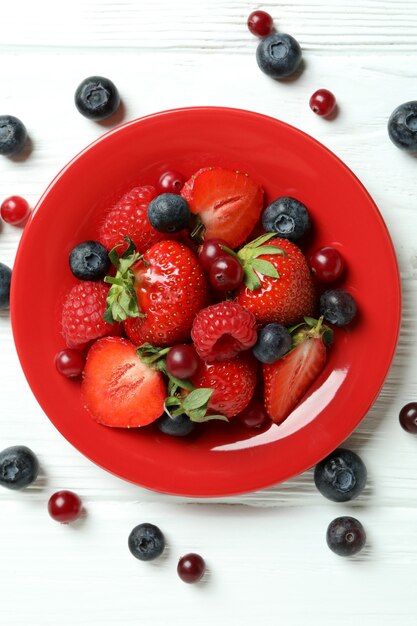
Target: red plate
[[222, 459]]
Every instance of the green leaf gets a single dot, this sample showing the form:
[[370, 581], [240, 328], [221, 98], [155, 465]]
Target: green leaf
[[310, 321], [197, 415], [268, 250], [251, 280], [265, 267], [208, 418], [172, 401], [183, 384], [260, 240], [328, 336], [197, 399], [108, 317], [229, 251], [291, 329]]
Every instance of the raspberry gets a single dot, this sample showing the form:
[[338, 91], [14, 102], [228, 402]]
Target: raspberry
[[223, 330]]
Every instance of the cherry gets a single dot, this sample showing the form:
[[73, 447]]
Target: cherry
[[182, 361], [210, 251], [322, 102], [69, 363], [14, 210], [255, 415], [260, 23], [408, 417], [170, 182], [191, 568], [327, 264], [226, 273], [64, 506]]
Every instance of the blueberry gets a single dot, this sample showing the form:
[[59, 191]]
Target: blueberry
[[97, 98], [19, 467], [169, 213], [179, 426], [13, 135], [341, 476], [287, 217], [146, 542], [278, 55], [402, 126], [337, 307], [345, 536], [273, 342], [89, 260], [5, 280]]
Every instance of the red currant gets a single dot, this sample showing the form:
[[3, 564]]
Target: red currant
[[14, 210], [322, 102], [191, 568], [255, 415], [327, 264], [69, 363], [260, 23], [408, 417], [170, 182], [182, 361], [226, 273], [64, 506], [210, 251]]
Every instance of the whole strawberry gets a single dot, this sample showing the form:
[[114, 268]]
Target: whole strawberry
[[278, 285], [129, 217]]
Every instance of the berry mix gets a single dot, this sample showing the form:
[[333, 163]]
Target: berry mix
[[196, 303]]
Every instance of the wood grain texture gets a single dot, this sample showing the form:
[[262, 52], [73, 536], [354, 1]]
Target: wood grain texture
[[266, 551]]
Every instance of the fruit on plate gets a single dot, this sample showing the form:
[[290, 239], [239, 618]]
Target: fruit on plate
[[5, 280], [288, 379], [158, 295], [191, 568], [274, 340], [169, 213], [402, 126], [226, 273], [175, 426], [19, 467], [278, 285], [118, 388], [182, 361], [278, 55], [89, 260], [345, 536], [14, 210], [129, 217], [82, 314], [228, 203], [146, 542], [223, 330], [327, 264], [70, 363], [65, 506], [254, 415], [233, 382], [341, 476], [338, 307], [170, 182], [96, 97], [13, 135], [287, 217]]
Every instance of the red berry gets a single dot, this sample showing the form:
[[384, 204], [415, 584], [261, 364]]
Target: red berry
[[182, 361], [322, 102], [191, 568], [15, 210], [170, 182], [254, 415], [223, 330], [69, 363], [327, 264], [226, 273], [408, 417], [210, 251], [260, 23], [64, 506]]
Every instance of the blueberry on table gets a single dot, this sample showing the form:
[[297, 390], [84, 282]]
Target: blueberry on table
[[338, 307], [169, 213], [179, 426], [19, 467], [146, 542], [278, 55], [341, 476], [13, 135], [5, 280], [273, 342], [345, 536], [89, 260], [402, 126], [287, 217], [97, 98]]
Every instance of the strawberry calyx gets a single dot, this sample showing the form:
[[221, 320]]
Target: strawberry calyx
[[311, 329], [121, 301], [252, 265]]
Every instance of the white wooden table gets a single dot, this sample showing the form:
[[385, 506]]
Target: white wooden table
[[266, 551]]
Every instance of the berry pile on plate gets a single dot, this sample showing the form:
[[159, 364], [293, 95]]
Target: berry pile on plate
[[196, 303]]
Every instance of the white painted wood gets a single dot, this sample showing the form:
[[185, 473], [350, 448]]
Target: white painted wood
[[268, 561]]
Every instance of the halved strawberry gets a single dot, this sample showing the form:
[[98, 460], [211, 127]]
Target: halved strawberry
[[118, 388], [288, 379], [228, 203]]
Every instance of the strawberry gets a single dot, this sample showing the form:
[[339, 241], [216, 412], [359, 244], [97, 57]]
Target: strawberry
[[118, 388], [278, 284], [82, 314], [288, 379], [233, 383], [228, 203], [129, 217], [157, 295]]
